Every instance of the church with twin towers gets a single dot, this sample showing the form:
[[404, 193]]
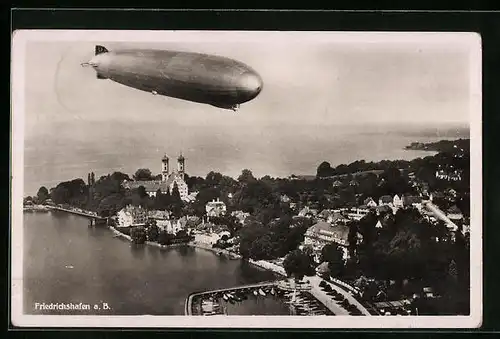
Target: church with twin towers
[[169, 178]]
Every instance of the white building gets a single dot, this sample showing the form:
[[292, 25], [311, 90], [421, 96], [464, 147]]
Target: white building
[[132, 216], [215, 208], [450, 176], [397, 202]]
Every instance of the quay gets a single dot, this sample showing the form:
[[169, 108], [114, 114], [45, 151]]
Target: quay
[[188, 305]]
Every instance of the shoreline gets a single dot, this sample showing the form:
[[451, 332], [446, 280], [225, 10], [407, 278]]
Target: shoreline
[[148, 243], [217, 251], [268, 266], [262, 264]]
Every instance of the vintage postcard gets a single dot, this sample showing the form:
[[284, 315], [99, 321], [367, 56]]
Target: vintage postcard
[[244, 179]]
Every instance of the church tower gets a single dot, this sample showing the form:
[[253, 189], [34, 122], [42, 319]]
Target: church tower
[[164, 168], [180, 165]]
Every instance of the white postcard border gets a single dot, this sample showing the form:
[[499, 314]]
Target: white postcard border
[[21, 37]]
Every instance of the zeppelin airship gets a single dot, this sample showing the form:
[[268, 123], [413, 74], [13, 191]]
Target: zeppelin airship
[[196, 77]]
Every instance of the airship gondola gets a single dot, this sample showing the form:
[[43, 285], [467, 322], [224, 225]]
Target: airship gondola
[[210, 79]]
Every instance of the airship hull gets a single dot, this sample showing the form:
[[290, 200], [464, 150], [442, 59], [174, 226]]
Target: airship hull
[[201, 78]]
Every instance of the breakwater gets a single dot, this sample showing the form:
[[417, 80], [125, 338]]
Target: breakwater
[[188, 306]]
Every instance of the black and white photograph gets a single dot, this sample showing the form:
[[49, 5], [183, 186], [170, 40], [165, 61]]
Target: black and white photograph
[[246, 179]]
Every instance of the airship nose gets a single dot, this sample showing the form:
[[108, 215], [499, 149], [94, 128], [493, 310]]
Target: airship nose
[[250, 84]]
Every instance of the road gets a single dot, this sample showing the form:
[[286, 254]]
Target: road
[[440, 215], [329, 302]]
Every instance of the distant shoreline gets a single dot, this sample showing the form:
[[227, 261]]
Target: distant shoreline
[[439, 146]]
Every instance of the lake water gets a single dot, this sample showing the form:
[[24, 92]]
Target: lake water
[[65, 261], [64, 151]]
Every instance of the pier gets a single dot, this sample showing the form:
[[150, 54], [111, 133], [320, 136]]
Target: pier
[[188, 306], [94, 219]]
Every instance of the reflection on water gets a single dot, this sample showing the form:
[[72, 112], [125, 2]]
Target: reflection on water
[[131, 279], [253, 305]]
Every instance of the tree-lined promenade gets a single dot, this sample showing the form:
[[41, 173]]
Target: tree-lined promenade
[[406, 254]]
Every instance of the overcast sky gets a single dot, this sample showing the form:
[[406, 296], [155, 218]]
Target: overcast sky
[[334, 81]]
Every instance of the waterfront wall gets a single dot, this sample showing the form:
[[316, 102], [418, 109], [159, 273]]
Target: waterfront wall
[[149, 243], [219, 251]]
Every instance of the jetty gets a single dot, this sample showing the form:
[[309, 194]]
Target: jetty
[[94, 218]]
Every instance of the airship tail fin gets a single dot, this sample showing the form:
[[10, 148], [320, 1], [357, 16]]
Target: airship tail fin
[[100, 49]]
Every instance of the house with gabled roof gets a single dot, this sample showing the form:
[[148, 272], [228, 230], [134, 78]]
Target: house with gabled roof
[[323, 233], [370, 202], [397, 202], [131, 216]]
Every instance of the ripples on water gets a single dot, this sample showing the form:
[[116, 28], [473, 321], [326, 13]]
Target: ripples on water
[[68, 153], [132, 280]]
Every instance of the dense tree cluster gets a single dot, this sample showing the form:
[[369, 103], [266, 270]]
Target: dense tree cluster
[[274, 240], [143, 174], [333, 255], [409, 248], [298, 264], [74, 193]]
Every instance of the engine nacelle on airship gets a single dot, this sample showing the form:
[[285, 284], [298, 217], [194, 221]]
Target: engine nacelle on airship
[[202, 78]]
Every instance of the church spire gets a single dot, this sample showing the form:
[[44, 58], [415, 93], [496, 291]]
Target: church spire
[[181, 164], [164, 168]]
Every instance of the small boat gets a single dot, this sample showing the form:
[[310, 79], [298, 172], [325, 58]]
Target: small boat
[[255, 292], [69, 266], [225, 297], [261, 292], [273, 292], [237, 298], [231, 301]]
